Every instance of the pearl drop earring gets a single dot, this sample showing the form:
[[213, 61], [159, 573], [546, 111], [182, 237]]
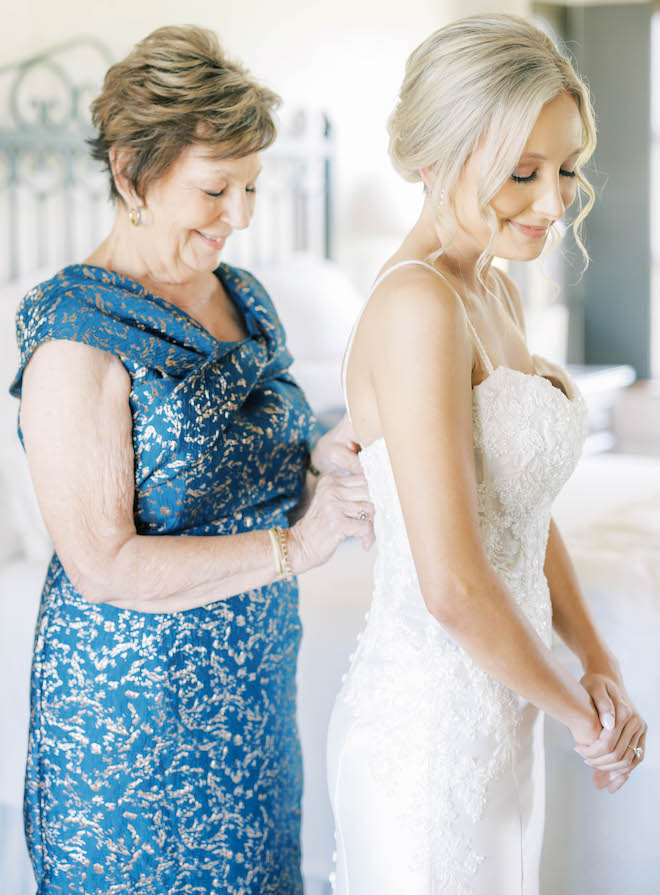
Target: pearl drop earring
[[441, 196]]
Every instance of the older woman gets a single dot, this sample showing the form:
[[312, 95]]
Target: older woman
[[167, 444]]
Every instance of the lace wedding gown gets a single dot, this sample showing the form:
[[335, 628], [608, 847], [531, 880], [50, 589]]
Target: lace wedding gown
[[435, 769]]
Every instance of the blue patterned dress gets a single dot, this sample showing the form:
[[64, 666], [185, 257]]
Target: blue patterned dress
[[163, 753]]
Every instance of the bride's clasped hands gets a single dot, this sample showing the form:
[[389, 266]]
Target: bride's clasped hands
[[621, 744]]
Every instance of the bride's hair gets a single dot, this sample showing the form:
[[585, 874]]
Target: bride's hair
[[483, 76]]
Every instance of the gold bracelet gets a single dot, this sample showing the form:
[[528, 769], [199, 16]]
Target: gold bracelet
[[278, 538], [287, 574], [274, 540]]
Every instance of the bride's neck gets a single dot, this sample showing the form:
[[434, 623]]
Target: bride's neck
[[460, 257]]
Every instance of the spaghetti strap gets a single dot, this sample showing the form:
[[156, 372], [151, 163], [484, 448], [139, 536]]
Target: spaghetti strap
[[509, 303], [480, 348]]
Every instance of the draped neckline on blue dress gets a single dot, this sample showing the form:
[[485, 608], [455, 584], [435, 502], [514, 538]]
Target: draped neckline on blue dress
[[115, 313], [223, 273]]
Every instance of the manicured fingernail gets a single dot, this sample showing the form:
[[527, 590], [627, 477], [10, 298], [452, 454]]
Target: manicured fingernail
[[608, 721]]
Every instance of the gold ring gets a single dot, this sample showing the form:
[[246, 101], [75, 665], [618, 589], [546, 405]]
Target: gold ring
[[362, 515], [637, 750]]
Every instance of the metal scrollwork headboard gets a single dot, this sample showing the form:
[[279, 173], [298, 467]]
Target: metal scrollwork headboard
[[49, 187], [53, 197]]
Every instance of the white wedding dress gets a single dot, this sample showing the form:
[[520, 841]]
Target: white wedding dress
[[436, 770]]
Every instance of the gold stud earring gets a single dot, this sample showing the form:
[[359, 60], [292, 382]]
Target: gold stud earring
[[135, 216]]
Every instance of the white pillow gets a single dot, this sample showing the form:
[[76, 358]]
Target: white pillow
[[317, 303], [318, 306], [320, 380]]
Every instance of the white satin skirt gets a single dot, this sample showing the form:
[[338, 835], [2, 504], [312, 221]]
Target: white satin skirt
[[376, 853]]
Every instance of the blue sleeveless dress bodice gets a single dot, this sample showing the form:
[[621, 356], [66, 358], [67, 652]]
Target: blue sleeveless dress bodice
[[163, 754]]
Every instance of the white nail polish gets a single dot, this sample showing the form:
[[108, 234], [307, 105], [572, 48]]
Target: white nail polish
[[608, 722]]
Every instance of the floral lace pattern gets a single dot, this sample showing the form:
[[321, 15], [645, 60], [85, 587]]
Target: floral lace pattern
[[441, 729]]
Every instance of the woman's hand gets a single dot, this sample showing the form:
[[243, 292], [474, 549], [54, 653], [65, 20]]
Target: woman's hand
[[340, 508], [337, 450], [613, 755], [335, 453], [586, 727]]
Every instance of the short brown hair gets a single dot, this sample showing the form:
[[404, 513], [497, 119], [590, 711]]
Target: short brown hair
[[175, 88]]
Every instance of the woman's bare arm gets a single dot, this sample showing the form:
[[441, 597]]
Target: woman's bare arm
[[420, 355], [77, 429], [571, 617], [602, 674]]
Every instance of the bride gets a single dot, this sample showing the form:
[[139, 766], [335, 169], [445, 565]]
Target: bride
[[435, 752]]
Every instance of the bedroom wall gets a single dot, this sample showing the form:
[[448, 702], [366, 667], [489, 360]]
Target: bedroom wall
[[610, 305], [347, 57], [617, 289]]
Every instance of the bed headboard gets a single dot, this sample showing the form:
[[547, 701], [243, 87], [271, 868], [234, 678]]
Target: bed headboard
[[53, 198]]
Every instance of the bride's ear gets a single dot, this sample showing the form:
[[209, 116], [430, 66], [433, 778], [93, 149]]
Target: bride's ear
[[428, 176]]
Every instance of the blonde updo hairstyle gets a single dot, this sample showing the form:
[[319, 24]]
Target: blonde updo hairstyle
[[175, 88], [483, 76]]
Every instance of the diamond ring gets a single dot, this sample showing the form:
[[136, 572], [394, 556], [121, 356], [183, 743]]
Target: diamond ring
[[637, 750]]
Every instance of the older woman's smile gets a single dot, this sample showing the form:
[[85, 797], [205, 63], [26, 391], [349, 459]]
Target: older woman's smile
[[214, 242]]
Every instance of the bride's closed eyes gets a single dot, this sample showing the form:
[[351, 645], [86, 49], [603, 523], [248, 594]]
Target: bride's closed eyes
[[518, 179]]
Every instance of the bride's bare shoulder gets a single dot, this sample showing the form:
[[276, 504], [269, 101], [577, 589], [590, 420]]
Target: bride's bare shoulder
[[414, 320], [413, 296]]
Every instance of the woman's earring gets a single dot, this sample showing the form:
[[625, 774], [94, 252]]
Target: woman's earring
[[135, 216], [441, 195]]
